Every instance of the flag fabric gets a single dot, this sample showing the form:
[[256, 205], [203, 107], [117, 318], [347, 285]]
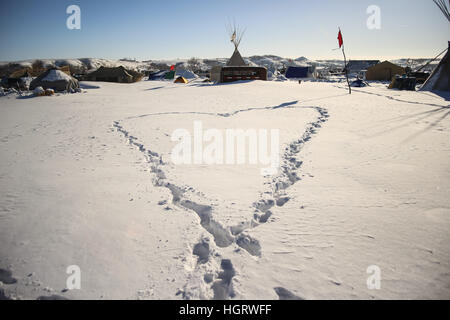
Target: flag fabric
[[172, 67], [340, 39], [233, 37]]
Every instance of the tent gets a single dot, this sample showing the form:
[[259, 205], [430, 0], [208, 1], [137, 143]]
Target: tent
[[439, 79], [236, 69], [157, 75], [356, 66], [384, 71], [19, 79], [55, 79], [180, 80], [236, 59], [185, 74], [170, 75], [117, 74], [297, 72]]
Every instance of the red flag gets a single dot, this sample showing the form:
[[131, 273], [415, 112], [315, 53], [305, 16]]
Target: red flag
[[172, 67], [340, 39]]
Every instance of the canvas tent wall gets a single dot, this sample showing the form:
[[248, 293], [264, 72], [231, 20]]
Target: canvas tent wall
[[117, 74], [384, 71], [439, 79], [236, 60], [55, 79]]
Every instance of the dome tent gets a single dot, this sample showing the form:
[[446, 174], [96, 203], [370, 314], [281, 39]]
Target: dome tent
[[181, 80], [115, 74], [55, 79]]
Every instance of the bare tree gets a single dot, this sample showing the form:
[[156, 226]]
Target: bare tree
[[193, 64]]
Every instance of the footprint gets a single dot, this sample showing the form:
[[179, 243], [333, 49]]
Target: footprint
[[201, 250], [284, 294], [223, 288]]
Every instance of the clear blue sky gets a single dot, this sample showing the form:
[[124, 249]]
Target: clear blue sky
[[147, 29]]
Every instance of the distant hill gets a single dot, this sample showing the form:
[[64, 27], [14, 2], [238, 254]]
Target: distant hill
[[271, 62]]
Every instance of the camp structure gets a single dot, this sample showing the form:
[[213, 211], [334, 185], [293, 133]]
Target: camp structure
[[55, 79], [180, 80], [170, 75], [19, 79], [116, 74], [236, 73], [384, 71], [298, 72], [236, 59], [159, 75], [439, 79], [404, 82], [236, 69], [359, 67]]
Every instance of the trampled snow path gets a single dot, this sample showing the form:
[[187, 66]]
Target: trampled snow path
[[225, 236]]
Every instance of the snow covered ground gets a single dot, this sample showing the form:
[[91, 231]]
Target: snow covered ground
[[86, 179]]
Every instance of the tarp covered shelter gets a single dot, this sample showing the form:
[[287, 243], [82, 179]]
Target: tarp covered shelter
[[116, 74], [157, 75], [170, 75], [297, 72], [55, 79], [19, 79], [384, 71], [439, 79]]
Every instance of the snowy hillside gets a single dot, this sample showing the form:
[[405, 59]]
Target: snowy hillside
[[271, 62]]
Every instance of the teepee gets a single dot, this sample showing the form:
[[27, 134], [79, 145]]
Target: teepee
[[439, 79], [236, 35]]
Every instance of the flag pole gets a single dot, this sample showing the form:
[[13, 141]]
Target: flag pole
[[345, 66]]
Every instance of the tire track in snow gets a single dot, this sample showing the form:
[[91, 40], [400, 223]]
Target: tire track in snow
[[224, 237]]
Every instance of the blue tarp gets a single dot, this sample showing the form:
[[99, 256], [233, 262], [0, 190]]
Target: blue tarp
[[359, 83], [297, 72], [160, 75]]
